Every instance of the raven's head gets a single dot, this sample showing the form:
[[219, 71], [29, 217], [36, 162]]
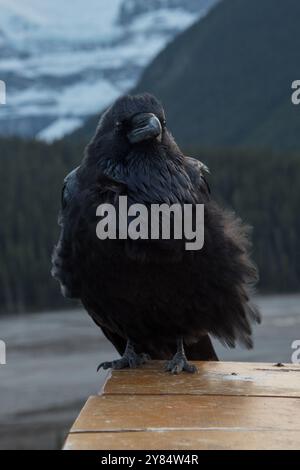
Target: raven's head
[[133, 127], [133, 153]]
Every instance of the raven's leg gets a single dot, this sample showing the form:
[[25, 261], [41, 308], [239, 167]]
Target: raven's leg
[[129, 359], [179, 361]]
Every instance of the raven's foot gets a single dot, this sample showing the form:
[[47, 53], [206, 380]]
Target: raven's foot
[[179, 362], [129, 359]]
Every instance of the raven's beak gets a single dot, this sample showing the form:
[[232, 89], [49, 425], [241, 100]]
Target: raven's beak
[[144, 126]]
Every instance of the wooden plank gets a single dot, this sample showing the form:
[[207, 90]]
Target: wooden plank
[[224, 406], [213, 378], [178, 412], [184, 440]]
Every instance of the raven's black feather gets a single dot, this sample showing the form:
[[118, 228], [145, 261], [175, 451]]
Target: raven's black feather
[[152, 292]]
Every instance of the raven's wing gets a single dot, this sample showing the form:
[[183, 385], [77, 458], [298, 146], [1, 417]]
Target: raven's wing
[[197, 171], [203, 349], [70, 188], [231, 248], [64, 267]]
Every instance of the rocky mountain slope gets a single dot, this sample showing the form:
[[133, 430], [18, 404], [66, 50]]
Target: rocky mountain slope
[[64, 61], [227, 80]]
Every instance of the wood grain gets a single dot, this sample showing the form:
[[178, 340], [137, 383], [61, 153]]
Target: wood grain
[[172, 412], [213, 378], [225, 405], [185, 440]]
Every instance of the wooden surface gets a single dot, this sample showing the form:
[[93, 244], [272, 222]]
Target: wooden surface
[[214, 378], [225, 405]]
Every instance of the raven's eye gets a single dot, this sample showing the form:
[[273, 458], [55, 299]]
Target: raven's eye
[[118, 125], [163, 123]]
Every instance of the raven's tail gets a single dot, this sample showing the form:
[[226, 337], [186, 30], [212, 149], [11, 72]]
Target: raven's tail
[[203, 350]]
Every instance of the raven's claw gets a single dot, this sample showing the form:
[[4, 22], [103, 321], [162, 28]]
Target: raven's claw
[[130, 359], [179, 364]]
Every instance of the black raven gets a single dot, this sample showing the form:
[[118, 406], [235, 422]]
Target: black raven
[[152, 297]]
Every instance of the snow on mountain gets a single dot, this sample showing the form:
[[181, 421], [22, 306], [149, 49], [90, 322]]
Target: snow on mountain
[[63, 61]]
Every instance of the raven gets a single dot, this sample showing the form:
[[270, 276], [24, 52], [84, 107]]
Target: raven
[[152, 298]]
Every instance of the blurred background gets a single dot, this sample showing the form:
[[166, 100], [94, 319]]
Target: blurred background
[[224, 71]]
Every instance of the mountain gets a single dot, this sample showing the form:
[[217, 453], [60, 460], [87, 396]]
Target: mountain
[[226, 81], [64, 61]]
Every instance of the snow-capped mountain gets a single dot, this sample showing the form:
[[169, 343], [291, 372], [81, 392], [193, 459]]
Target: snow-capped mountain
[[63, 61]]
